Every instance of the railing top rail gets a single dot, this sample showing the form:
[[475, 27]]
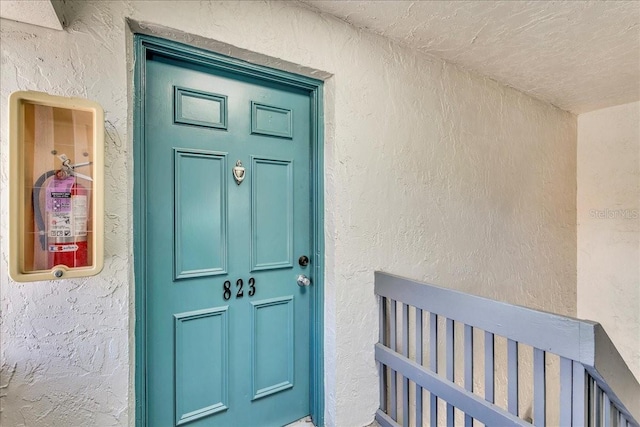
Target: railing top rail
[[564, 336], [583, 341]]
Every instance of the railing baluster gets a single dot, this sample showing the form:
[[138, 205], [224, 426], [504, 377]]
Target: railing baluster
[[405, 353], [393, 345], [450, 367], [468, 367], [606, 410], [592, 401], [382, 371], [539, 392], [578, 396], [433, 365], [489, 393], [512, 376], [566, 383], [598, 403], [622, 421], [420, 361]]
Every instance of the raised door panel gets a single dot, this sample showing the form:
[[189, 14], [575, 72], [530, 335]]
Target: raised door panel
[[271, 121], [271, 214], [272, 344], [201, 364], [199, 108], [200, 213]]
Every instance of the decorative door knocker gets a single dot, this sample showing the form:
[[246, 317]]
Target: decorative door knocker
[[238, 172]]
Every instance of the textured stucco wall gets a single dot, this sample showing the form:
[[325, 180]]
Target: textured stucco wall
[[609, 225], [431, 172]]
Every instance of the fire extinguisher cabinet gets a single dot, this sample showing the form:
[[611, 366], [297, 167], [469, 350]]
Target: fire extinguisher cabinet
[[56, 171]]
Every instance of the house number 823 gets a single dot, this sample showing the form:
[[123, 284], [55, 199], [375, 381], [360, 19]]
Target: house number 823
[[226, 293]]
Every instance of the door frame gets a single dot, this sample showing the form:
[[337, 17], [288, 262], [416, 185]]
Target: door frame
[[143, 44]]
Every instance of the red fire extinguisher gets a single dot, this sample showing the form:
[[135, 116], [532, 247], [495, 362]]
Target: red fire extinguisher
[[63, 227]]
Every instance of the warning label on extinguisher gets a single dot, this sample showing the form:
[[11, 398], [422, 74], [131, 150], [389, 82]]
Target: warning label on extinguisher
[[79, 204], [67, 210], [60, 224]]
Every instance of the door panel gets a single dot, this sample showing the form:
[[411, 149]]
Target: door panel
[[200, 246], [271, 214], [201, 366], [227, 326], [272, 352]]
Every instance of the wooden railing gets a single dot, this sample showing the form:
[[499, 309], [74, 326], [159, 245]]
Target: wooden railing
[[535, 367]]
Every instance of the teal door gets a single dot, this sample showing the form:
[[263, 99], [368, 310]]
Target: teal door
[[227, 219]]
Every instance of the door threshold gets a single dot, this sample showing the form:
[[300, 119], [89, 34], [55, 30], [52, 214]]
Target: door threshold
[[302, 422]]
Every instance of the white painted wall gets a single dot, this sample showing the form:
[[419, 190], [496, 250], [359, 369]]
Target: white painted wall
[[609, 225], [431, 172]]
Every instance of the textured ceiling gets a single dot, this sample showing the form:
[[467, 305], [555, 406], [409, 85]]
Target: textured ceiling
[[45, 13], [577, 55]]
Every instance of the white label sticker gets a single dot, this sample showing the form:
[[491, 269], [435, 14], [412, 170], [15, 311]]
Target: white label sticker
[[60, 224], [80, 226], [79, 215], [72, 247]]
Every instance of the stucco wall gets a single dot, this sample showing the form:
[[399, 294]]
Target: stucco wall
[[609, 225], [431, 172]]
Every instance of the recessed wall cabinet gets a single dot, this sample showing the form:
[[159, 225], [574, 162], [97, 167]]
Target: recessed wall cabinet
[[56, 170]]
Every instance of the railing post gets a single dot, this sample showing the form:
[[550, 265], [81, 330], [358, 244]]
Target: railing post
[[450, 366], [468, 367], [433, 365], [578, 410], [382, 371], [393, 345], [566, 390], [539, 390], [606, 410], [405, 353], [420, 361]]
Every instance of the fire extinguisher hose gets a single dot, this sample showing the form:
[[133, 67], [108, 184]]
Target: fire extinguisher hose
[[37, 212]]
